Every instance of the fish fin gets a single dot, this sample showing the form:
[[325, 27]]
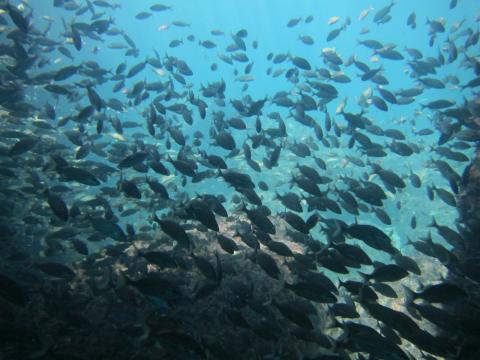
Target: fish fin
[[365, 278], [433, 223], [409, 297]]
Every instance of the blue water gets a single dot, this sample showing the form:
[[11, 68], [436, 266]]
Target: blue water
[[266, 24]]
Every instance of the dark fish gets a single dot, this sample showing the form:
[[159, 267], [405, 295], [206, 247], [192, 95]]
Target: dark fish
[[451, 236], [301, 63], [279, 58], [415, 179], [205, 267], [365, 339], [432, 83], [307, 185], [268, 264], [353, 252], [18, 19], [159, 168], [413, 222], [24, 145], [401, 148], [77, 39], [55, 269], [371, 44], [279, 248], [57, 205], [407, 263], [225, 140], [334, 34], [370, 194], [439, 104], [472, 83], [294, 313], [382, 215], [390, 54], [436, 293], [160, 7], [132, 160], [411, 20], [237, 179], [175, 231], [316, 292], [386, 273], [344, 310], [379, 103], [291, 201], [157, 187], [370, 73], [65, 72], [108, 229], [295, 221], [143, 15], [136, 69], [185, 167], [227, 244], [129, 188], [72, 173], [310, 173], [372, 236], [162, 259], [382, 13], [293, 22], [249, 239], [307, 40], [201, 212], [359, 288], [263, 185], [94, 98], [80, 246], [258, 218], [385, 290]]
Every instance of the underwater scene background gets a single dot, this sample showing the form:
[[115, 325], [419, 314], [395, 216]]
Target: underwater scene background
[[239, 179]]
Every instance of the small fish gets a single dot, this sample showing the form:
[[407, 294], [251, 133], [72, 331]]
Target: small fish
[[293, 22], [333, 20], [364, 13]]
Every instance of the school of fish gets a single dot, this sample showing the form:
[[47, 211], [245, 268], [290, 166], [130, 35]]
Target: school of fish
[[147, 215]]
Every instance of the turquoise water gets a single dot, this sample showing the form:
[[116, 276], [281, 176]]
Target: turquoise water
[[265, 34], [266, 24]]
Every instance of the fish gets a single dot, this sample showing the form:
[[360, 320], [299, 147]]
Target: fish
[[293, 22], [175, 231], [293, 313], [57, 205], [239, 193], [108, 229], [372, 236], [18, 19], [436, 293], [411, 20], [386, 273], [160, 7], [268, 264], [132, 160], [56, 270]]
